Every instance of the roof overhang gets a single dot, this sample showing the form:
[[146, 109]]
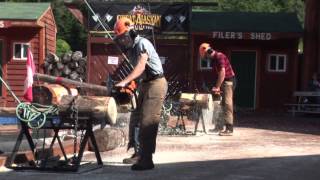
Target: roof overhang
[[19, 23]]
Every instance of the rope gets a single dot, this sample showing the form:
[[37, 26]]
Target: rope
[[35, 115]]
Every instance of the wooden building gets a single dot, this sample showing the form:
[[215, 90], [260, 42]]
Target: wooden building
[[23, 25], [311, 60], [262, 47]]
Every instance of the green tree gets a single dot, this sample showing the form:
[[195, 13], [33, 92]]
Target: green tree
[[69, 29], [62, 47], [296, 6]]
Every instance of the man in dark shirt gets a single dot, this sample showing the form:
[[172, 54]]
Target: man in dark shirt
[[225, 83]]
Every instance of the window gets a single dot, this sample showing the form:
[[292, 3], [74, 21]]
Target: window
[[20, 51], [277, 62], [205, 64]]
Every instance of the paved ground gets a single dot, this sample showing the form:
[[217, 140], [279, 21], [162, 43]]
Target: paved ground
[[264, 146]]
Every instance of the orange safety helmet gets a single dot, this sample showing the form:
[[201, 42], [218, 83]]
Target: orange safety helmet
[[122, 26], [203, 48]]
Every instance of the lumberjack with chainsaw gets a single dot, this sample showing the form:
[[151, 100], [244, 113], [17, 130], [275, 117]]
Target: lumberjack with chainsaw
[[225, 81], [151, 93]]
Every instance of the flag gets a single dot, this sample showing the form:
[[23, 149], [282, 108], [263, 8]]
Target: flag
[[27, 94]]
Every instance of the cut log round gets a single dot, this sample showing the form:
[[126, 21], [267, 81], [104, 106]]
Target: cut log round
[[80, 70], [73, 65], [56, 72], [48, 94], [66, 70], [101, 108], [60, 66], [51, 58], [82, 62], [66, 58], [109, 138], [74, 75], [50, 67], [76, 56]]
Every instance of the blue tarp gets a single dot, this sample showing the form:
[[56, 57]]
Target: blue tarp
[[8, 120]]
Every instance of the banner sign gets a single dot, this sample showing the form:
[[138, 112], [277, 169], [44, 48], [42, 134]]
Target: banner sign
[[148, 17]]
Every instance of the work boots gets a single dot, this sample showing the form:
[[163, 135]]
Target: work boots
[[132, 160], [144, 163], [217, 129], [228, 131]]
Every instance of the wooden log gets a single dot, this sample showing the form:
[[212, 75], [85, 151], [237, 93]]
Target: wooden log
[[66, 58], [80, 70], [109, 138], [56, 72], [203, 100], [74, 75], [76, 56], [97, 89], [60, 66], [83, 62], [50, 67], [73, 65], [48, 94], [101, 108], [66, 71], [51, 58]]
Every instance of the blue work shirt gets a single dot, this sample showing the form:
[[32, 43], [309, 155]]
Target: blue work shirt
[[143, 45]]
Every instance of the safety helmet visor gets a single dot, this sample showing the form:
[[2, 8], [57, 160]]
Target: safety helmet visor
[[124, 41]]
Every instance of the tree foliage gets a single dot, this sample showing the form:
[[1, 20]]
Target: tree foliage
[[296, 6], [69, 29], [62, 47]]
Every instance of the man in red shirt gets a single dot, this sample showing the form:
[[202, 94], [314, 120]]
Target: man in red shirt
[[225, 83]]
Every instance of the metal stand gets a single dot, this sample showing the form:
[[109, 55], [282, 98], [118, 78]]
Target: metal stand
[[199, 118], [66, 164]]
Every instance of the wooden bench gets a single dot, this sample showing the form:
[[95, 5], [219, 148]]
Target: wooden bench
[[302, 105]]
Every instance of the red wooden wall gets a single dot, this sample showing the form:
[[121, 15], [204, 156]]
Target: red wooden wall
[[311, 61], [41, 38], [272, 89]]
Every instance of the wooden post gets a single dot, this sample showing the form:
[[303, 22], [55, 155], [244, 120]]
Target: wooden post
[[311, 41], [97, 89]]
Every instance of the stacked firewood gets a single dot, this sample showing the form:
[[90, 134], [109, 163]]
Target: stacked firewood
[[71, 65]]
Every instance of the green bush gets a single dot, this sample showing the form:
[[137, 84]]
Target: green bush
[[62, 47]]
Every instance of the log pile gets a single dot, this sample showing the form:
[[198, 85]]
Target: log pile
[[71, 65]]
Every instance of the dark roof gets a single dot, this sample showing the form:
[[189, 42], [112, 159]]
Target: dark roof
[[22, 11], [244, 22]]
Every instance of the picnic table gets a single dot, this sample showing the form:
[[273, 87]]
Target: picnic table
[[306, 102]]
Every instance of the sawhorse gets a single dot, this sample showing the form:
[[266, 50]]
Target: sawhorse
[[86, 125], [198, 110], [199, 117]]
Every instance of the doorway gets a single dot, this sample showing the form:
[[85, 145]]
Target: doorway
[[244, 65]]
